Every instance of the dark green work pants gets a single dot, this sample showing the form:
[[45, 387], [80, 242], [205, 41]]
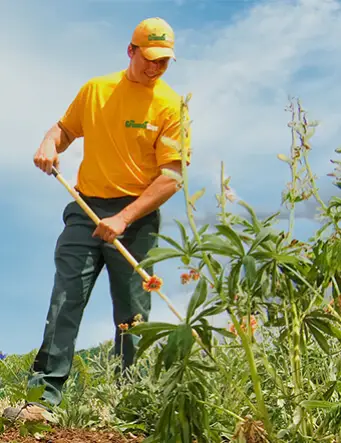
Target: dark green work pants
[[79, 258]]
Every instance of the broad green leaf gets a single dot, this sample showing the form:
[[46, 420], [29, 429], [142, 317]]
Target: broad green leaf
[[151, 327], [320, 338], [218, 246], [148, 340], [210, 311], [171, 242], [262, 255], [183, 415], [156, 252], [249, 264], [233, 279], [37, 428], [158, 364], [263, 273], [183, 233], [34, 394], [203, 229], [280, 258], [232, 235], [204, 333], [197, 299], [269, 219], [197, 389], [317, 404], [186, 340], [202, 366], [201, 376], [255, 222], [23, 431], [157, 255], [330, 391], [217, 267], [326, 327], [320, 313], [164, 422], [261, 238], [219, 285], [179, 345], [185, 429]]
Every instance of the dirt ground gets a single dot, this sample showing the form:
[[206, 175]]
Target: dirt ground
[[70, 436]]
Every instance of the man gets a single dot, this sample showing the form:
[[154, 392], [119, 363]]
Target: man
[[125, 119]]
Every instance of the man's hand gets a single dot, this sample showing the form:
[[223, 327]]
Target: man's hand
[[46, 156], [56, 140], [109, 228]]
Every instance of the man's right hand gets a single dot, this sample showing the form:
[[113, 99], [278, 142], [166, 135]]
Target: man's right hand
[[46, 156], [56, 140]]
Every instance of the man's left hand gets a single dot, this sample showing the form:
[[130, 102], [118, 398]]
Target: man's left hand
[[110, 227]]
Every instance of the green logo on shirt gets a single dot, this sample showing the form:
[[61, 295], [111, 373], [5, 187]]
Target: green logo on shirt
[[154, 37], [132, 124]]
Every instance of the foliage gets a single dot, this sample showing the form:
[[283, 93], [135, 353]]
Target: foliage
[[271, 281], [270, 371]]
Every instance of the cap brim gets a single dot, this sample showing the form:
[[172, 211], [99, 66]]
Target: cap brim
[[155, 52]]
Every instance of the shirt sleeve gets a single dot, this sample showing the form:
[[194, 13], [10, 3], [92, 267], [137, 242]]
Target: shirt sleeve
[[73, 118], [170, 138]]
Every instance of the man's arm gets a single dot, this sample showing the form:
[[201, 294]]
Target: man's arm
[[56, 140], [63, 137], [157, 193]]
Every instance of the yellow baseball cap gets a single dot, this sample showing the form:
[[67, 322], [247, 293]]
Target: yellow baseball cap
[[155, 38]]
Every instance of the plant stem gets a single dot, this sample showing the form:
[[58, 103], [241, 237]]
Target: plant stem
[[295, 355], [189, 209], [121, 350], [336, 286], [293, 168], [222, 193], [253, 371], [227, 411], [271, 371], [312, 181]]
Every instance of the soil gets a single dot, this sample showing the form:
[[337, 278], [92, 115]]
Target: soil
[[69, 436]]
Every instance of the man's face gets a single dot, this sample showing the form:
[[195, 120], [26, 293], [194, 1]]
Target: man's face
[[143, 70]]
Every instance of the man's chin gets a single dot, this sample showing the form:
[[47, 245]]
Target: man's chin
[[152, 79]]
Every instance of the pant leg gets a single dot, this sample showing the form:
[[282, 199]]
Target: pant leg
[[78, 261], [128, 296]]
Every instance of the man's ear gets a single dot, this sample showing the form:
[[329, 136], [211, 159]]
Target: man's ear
[[130, 51]]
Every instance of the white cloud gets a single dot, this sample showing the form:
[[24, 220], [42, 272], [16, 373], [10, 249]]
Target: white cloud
[[241, 76]]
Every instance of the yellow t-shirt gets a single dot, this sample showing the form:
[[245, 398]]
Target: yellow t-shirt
[[123, 124]]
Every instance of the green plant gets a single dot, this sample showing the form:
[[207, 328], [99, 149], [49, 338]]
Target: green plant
[[271, 279]]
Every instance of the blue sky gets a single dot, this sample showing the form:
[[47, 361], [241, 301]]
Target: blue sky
[[239, 58]]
